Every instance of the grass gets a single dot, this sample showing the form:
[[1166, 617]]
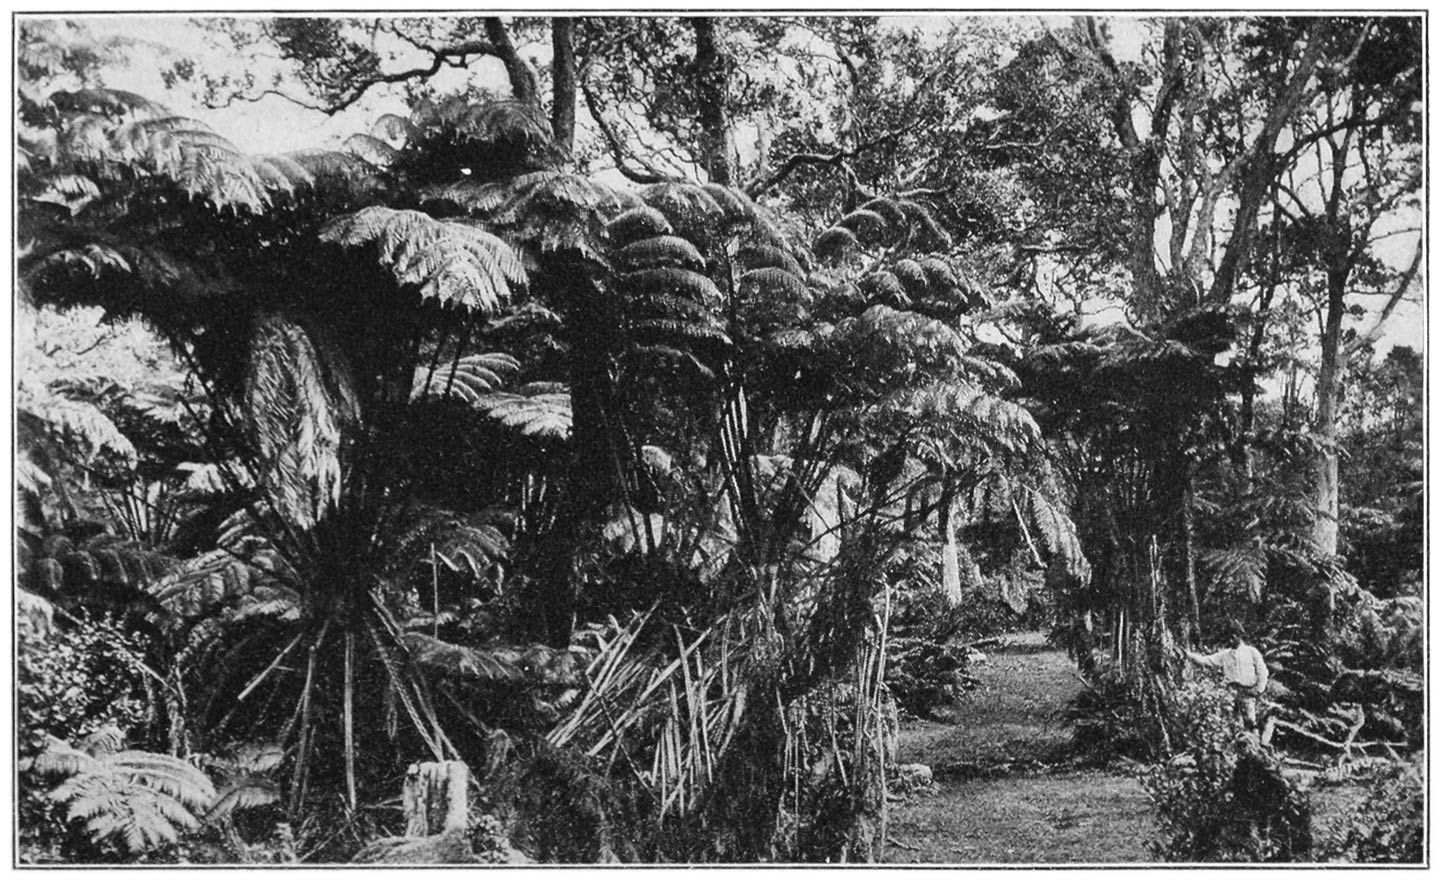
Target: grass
[[1086, 816], [988, 806]]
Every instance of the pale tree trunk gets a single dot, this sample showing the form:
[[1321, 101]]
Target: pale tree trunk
[[1326, 530]]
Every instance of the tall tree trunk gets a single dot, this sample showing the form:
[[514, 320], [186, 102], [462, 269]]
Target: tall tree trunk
[[1262, 165], [1326, 530], [562, 110], [712, 81]]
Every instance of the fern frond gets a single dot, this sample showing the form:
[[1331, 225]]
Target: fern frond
[[106, 102], [1238, 569], [889, 210], [637, 223], [371, 149], [679, 333], [771, 282], [688, 207], [931, 234], [542, 414], [247, 794], [940, 275], [989, 419], [662, 250], [452, 261], [866, 225], [299, 409], [668, 305], [1057, 533], [459, 661], [910, 274], [471, 377], [835, 243], [764, 256], [882, 286], [735, 206], [674, 280], [140, 798]]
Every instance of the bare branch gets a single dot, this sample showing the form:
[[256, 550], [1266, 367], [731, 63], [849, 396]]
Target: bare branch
[[645, 172], [1396, 295], [453, 55]]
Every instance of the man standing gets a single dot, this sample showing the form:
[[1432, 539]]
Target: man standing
[[1243, 669]]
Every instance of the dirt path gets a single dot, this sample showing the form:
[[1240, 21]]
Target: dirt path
[[994, 801]]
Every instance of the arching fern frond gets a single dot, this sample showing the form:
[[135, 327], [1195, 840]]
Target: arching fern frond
[[451, 261], [868, 226], [107, 102], [540, 410], [835, 243], [672, 279], [774, 282], [889, 210], [299, 407], [765, 256], [989, 419], [1238, 570], [470, 543], [471, 377], [637, 223], [661, 250], [883, 287], [371, 149]]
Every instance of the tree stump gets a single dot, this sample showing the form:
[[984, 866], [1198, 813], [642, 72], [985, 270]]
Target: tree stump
[[436, 798], [437, 807]]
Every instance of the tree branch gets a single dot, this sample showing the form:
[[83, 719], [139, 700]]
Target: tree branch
[[455, 55], [1396, 295], [839, 160], [522, 76], [645, 173]]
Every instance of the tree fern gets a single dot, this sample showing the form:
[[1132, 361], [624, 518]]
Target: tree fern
[[450, 261], [1238, 570], [470, 543], [137, 799], [544, 212]]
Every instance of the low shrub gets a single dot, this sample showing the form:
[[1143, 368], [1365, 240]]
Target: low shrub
[[1388, 826], [1221, 796], [72, 683]]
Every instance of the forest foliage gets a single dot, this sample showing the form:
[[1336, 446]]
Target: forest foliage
[[646, 462]]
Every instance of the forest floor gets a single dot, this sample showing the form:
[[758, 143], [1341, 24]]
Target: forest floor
[[996, 797]]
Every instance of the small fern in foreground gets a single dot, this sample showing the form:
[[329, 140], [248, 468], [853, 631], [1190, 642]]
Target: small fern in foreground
[[135, 799]]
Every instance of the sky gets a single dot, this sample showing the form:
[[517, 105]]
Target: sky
[[273, 124]]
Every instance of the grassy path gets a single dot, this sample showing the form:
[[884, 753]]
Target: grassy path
[[994, 800]]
